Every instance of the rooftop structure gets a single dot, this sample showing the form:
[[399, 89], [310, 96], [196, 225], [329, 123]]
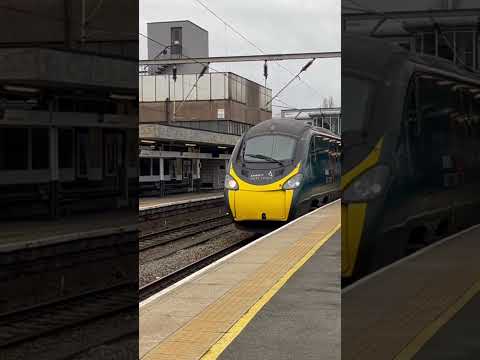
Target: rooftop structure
[[173, 40]]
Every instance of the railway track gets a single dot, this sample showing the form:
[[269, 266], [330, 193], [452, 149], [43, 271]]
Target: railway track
[[164, 236], [163, 212], [66, 291], [20, 326], [175, 276]]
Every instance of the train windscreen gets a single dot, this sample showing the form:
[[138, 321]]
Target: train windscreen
[[269, 148]]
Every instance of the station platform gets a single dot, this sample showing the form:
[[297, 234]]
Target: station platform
[[276, 298], [18, 234], [425, 306], [156, 202]]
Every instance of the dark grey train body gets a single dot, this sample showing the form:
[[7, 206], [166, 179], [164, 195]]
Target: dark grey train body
[[279, 170]]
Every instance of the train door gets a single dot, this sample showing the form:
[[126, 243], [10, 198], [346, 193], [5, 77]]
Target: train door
[[309, 173]]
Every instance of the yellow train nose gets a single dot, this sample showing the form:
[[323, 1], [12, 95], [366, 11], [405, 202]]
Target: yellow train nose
[[260, 205], [353, 219]]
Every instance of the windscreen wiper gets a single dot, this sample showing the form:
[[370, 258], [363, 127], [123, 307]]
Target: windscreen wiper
[[264, 157]]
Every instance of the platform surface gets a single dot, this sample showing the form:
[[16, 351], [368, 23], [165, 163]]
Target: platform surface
[[301, 321], [202, 316], [151, 202], [20, 234], [425, 306]]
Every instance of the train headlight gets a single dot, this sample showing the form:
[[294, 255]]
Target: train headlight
[[294, 182], [368, 186], [230, 183]]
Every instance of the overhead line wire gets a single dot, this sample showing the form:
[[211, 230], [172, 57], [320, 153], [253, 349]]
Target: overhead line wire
[[251, 43]]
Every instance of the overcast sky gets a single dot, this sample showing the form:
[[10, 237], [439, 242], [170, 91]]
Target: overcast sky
[[275, 26]]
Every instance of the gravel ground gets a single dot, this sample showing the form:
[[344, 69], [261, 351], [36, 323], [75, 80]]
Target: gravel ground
[[167, 260], [178, 220], [172, 247]]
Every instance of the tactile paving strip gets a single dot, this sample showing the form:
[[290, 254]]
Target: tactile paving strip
[[286, 247], [384, 314]]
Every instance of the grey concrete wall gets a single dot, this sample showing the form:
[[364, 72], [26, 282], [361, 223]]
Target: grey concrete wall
[[213, 172], [165, 132], [112, 30], [155, 112], [194, 41], [60, 67]]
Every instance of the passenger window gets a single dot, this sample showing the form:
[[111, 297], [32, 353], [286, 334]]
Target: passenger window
[[321, 167], [442, 152], [14, 138]]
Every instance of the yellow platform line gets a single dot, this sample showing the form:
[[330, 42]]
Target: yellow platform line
[[428, 332], [238, 327]]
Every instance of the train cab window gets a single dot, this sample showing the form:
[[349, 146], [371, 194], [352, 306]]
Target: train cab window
[[40, 148], [65, 148], [263, 148], [145, 164], [14, 148], [156, 166]]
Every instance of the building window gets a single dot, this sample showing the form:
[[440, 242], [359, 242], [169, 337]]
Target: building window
[[82, 154], [155, 166], [464, 45], [13, 148], [429, 44], [446, 45], [176, 41], [166, 167], [145, 166], [65, 148], [40, 148]]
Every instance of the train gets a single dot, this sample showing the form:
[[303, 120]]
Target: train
[[279, 170], [411, 152]]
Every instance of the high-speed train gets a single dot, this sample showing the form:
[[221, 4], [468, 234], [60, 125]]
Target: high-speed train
[[281, 169], [410, 152]]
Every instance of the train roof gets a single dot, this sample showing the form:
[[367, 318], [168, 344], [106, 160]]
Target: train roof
[[367, 54], [287, 126]]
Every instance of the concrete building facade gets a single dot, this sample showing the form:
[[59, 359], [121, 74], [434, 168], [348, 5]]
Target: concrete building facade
[[223, 102], [176, 39], [189, 123]]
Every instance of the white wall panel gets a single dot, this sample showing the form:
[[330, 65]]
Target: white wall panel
[[176, 94], [239, 89], [188, 83], [203, 88], [218, 86], [163, 91], [148, 88]]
